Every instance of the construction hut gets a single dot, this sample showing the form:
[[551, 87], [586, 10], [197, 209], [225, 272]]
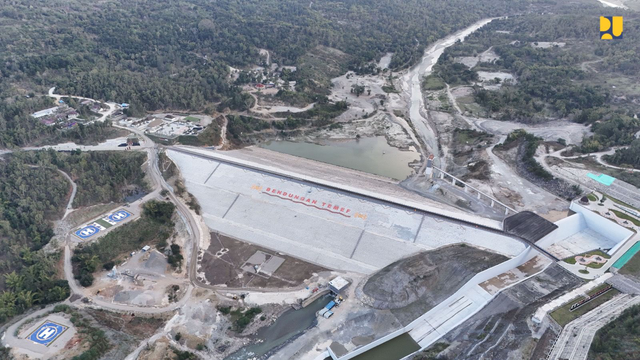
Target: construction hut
[[338, 285]]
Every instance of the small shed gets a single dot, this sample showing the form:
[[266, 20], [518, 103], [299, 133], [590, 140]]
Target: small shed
[[146, 248], [338, 285]]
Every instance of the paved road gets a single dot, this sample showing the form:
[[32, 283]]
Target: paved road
[[158, 185], [192, 224], [625, 284], [575, 340], [9, 339], [619, 189], [597, 155]]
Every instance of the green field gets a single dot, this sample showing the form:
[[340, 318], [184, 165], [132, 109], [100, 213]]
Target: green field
[[192, 119], [104, 223], [563, 315], [433, 82], [572, 260]]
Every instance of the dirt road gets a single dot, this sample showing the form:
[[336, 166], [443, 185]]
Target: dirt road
[[112, 106]]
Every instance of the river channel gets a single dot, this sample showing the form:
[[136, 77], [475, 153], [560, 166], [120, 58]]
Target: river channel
[[369, 154], [412, 89], [291, 324]]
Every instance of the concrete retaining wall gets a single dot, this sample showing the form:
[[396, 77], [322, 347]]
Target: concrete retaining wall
[[422, 206], [312, 298], [583, 219], [603, 226], [477, 279], [566, 227], [474, 281]]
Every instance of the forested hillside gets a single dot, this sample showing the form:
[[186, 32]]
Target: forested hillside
[[561, 69], [101, 177], [175, 54], [33, 194], [18, 129], [29, 199], [626, 157]]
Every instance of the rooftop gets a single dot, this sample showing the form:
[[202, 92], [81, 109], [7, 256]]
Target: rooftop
[[528, 226], [339, 283]]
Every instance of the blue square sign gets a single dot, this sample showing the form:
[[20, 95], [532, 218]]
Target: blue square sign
[[47, 333], [87, 231], [119, 216]]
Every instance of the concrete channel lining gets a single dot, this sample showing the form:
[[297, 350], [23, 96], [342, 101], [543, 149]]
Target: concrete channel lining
[[467, 219], [440, 212], [363, 243], [446, 315]]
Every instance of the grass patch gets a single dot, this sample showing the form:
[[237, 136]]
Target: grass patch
[[632, 178], [433, 82], [618, 339], [632, 267], [161, 140], [592, 197], [583, 271], [192, 119], [572, 260], [104, 223], [432, 352], [190, 140], [470, 137], [624, 216], [95, 339], [390, 89], [563, 315]]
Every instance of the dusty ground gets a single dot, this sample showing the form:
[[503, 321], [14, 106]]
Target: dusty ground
[[412, 286], [380, 124], [363, 105], [123, 332], [201, 323], [487, 56], [503, 329], [531, 267], [223, 260], [353, 324], [160, 350], [144, 279], [513, 154]]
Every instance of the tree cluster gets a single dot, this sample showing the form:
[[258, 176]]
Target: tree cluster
[[629, 156]]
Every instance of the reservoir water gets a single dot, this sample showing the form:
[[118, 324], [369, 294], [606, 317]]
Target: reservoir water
[[371, 154], [292, 323]]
